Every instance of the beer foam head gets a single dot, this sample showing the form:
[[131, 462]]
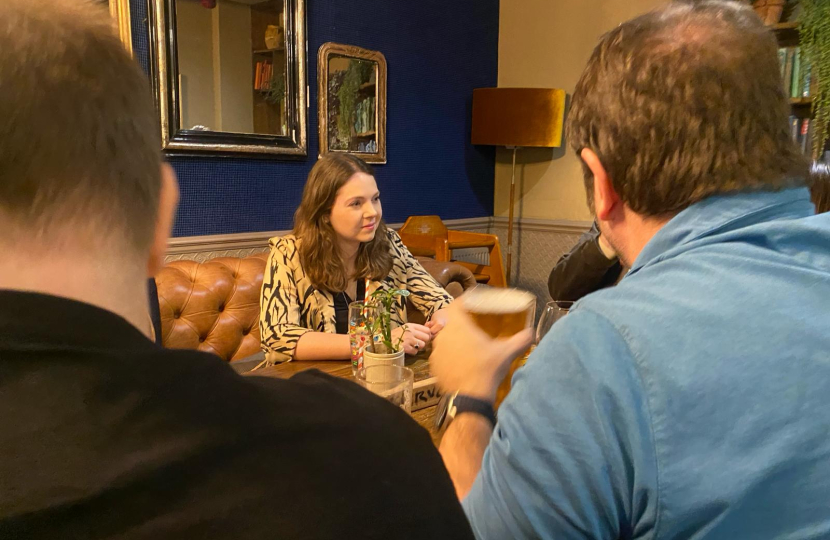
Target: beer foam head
[[497, 300]]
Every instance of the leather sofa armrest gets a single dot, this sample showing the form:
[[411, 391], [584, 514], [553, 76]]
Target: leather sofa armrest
[[453, 277]]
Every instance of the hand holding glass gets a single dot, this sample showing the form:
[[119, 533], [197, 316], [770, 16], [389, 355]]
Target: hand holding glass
[[501, 313]]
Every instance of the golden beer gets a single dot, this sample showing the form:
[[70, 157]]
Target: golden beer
[[501, 313]]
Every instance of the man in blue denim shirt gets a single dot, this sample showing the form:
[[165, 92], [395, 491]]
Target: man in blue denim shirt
[[690, 401]]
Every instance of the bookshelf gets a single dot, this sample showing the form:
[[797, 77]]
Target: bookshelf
[[364, 131], [796, 84], [786, 33], [269, 117], [268, 52]]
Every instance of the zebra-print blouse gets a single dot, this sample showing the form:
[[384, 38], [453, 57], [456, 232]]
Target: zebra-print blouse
[[290, 306]]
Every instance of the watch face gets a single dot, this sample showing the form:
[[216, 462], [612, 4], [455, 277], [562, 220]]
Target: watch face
[[441, 410]]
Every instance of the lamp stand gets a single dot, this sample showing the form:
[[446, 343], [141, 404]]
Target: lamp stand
[[510, 217]]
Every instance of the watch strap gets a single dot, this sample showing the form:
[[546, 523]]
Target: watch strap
[[463, 403]]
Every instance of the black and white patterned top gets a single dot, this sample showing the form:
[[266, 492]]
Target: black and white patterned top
[[290, 305]]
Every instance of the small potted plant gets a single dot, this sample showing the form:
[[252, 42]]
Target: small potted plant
[[383, 349], [275, 92]]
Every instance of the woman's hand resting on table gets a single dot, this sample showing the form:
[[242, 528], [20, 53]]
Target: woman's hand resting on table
[[415, 338], [437, 322]]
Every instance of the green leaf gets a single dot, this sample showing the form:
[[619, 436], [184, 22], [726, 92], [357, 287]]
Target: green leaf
[[814, 39], [381, 326]]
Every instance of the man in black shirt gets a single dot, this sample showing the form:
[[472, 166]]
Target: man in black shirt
[[589, 266], [592, 265], [104, 433]]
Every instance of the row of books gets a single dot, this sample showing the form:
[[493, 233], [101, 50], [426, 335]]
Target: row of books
[[795, 71], [262, 77], [802, 133], [365, 116]]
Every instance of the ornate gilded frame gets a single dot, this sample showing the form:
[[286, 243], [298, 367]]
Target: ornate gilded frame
[[120, 11], [164, 70], [336, 49]]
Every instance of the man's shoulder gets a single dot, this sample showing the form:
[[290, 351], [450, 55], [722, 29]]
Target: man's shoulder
[[589, 328], [605, 337], [712, 294], [199, 393], [298, 455], [331, 404], [330, 439], [586, 344], [262, 398]]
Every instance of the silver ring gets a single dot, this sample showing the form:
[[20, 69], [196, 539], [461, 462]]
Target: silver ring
[[417, 346]]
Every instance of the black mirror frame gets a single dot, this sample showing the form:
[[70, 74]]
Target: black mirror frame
[[165, 73]]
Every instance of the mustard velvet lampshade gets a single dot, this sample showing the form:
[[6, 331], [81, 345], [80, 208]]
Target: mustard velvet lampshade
[[516, 117]]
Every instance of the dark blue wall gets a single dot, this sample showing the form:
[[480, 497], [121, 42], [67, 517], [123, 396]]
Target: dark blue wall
[[437, 52]]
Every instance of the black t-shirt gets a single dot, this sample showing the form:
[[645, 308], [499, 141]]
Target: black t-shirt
[[105, 434], [341, 307]]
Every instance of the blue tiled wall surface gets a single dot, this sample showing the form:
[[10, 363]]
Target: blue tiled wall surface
[[437, 53]]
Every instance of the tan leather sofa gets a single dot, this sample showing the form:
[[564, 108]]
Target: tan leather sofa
[[214, 306]]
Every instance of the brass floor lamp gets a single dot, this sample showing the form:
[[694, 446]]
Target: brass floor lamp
[[517, 118]]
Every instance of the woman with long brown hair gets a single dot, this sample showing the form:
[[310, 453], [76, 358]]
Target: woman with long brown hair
[[340, 251]]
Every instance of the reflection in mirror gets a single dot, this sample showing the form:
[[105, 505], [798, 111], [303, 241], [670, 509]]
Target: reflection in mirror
[[230, 76], [120, 11], [351, 101], [351, 105], [232, 66]]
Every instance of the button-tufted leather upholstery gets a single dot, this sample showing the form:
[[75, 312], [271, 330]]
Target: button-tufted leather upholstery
[[453, 277], [214, 306]]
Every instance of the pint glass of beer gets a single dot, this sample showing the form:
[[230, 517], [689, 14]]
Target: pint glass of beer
[[501, 313]]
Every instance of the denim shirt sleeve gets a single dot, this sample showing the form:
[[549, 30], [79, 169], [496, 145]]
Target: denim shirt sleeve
[[572, 455]]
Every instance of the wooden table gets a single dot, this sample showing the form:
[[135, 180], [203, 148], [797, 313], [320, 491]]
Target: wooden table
[[425, 417]]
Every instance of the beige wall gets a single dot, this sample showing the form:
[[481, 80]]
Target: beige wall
[[215, 66], [195, 40], [546, 43], [232, 67]]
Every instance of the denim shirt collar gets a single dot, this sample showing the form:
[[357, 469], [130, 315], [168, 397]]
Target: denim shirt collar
[[722, 213]]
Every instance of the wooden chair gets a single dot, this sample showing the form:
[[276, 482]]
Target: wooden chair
[[427, 236]]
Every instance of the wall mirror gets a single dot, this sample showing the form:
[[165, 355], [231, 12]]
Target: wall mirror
[[351, 101], [120, 11], [230, 76]]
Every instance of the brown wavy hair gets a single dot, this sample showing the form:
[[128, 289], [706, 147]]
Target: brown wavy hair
[[319, 252], [684, 103]]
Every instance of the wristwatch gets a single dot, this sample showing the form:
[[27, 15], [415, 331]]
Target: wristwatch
[[451, 405]]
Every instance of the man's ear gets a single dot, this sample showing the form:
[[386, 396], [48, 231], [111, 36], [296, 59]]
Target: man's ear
[[606, 199], [168, 202]]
